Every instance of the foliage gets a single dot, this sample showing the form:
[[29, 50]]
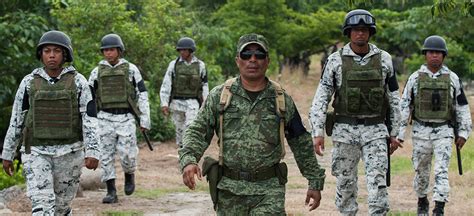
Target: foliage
[[7, 181]]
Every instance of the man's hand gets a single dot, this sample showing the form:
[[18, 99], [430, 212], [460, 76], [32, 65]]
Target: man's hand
[[316, 196], [460, 141], [91, 163], [394, 144], [8, 167], [188, 175], [165, 110], [318, 144]]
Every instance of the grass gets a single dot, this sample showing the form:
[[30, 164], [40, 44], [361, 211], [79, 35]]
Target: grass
[[400, 165], [158, 192], [402, 213], [467, 153], [123, 213]]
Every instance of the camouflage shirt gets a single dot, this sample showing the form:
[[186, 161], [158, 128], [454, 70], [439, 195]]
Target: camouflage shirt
[[251, 138], [460, 105], [166, 86], [20, 109], [331, 81], [142, 103]]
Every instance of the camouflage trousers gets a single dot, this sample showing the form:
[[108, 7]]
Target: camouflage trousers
[[181, 121], [423, 151], [345, 158], [120, 138], [272, 203], [52, 182]]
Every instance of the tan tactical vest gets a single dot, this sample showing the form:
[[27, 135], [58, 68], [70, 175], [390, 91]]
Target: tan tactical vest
[[53, 118], [433, 100], [114, 87], [362, 92], [186, 80]]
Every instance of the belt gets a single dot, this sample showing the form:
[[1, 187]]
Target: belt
[[433, 124], [251, 176], [357, 121], [184, 98], [117, 110]]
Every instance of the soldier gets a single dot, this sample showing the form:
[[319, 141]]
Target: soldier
[[54, 114], [362, 78], [251, 139], [435, 100], [121, 97], [184, 87]]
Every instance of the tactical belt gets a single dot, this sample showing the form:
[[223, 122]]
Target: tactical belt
[[117, 110], [358, 121], [251, 176], [184, 98], [432, 124]]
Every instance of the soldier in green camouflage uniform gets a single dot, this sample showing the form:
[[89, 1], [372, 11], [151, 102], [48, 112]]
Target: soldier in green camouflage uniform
[[251, 140]]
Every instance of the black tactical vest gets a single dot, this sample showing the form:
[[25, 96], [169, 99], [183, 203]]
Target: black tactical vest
[[433, 100], [362, 91], [53, 118]]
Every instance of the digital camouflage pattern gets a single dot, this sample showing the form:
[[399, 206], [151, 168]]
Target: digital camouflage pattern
[[118, 131], [272, 203], [59, 163], [430, 140], [251, 140], [183, 111], [366, 141]]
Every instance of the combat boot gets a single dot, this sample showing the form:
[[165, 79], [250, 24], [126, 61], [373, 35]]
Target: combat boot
[[129, 186], [423, 206], [438, 209], [111, 196]]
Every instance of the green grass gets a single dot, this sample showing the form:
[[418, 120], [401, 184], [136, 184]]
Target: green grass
[[467, 155], [123, 213], [158, 192], [17, 178], [400, 165], [402, 213]]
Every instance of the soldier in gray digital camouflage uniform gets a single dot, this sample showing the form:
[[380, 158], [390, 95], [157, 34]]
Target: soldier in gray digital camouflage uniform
[[184, 87], [121, 97], [435, 100], [362, 78], [54, 114], [251, 139]]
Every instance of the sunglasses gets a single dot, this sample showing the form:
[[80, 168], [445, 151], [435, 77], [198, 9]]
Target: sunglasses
[[246, 55], [356, 19]]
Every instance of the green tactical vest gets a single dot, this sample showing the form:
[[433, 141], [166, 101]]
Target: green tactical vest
[[433, 100], [53, 118], [186, 80], [114, 87], [362, 91]]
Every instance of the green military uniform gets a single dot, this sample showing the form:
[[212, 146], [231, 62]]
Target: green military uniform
[[251, 142]]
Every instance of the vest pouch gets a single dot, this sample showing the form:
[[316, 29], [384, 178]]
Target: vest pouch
[[213, 173], [52, 115], [282, 173], [376, 99], [330, 121], [353, 100]]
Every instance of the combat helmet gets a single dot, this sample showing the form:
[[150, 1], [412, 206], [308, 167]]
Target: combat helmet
[[112, 41], [56, 38], [359, 17], [186, 43], [435, 42]]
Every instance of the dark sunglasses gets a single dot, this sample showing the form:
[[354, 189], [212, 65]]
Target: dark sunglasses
[[246, 55], [356, 19]]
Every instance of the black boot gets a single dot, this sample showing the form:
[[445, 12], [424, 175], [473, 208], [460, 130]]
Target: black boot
[[129, 186], [111, 196], [423, 206], [438, 209]]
